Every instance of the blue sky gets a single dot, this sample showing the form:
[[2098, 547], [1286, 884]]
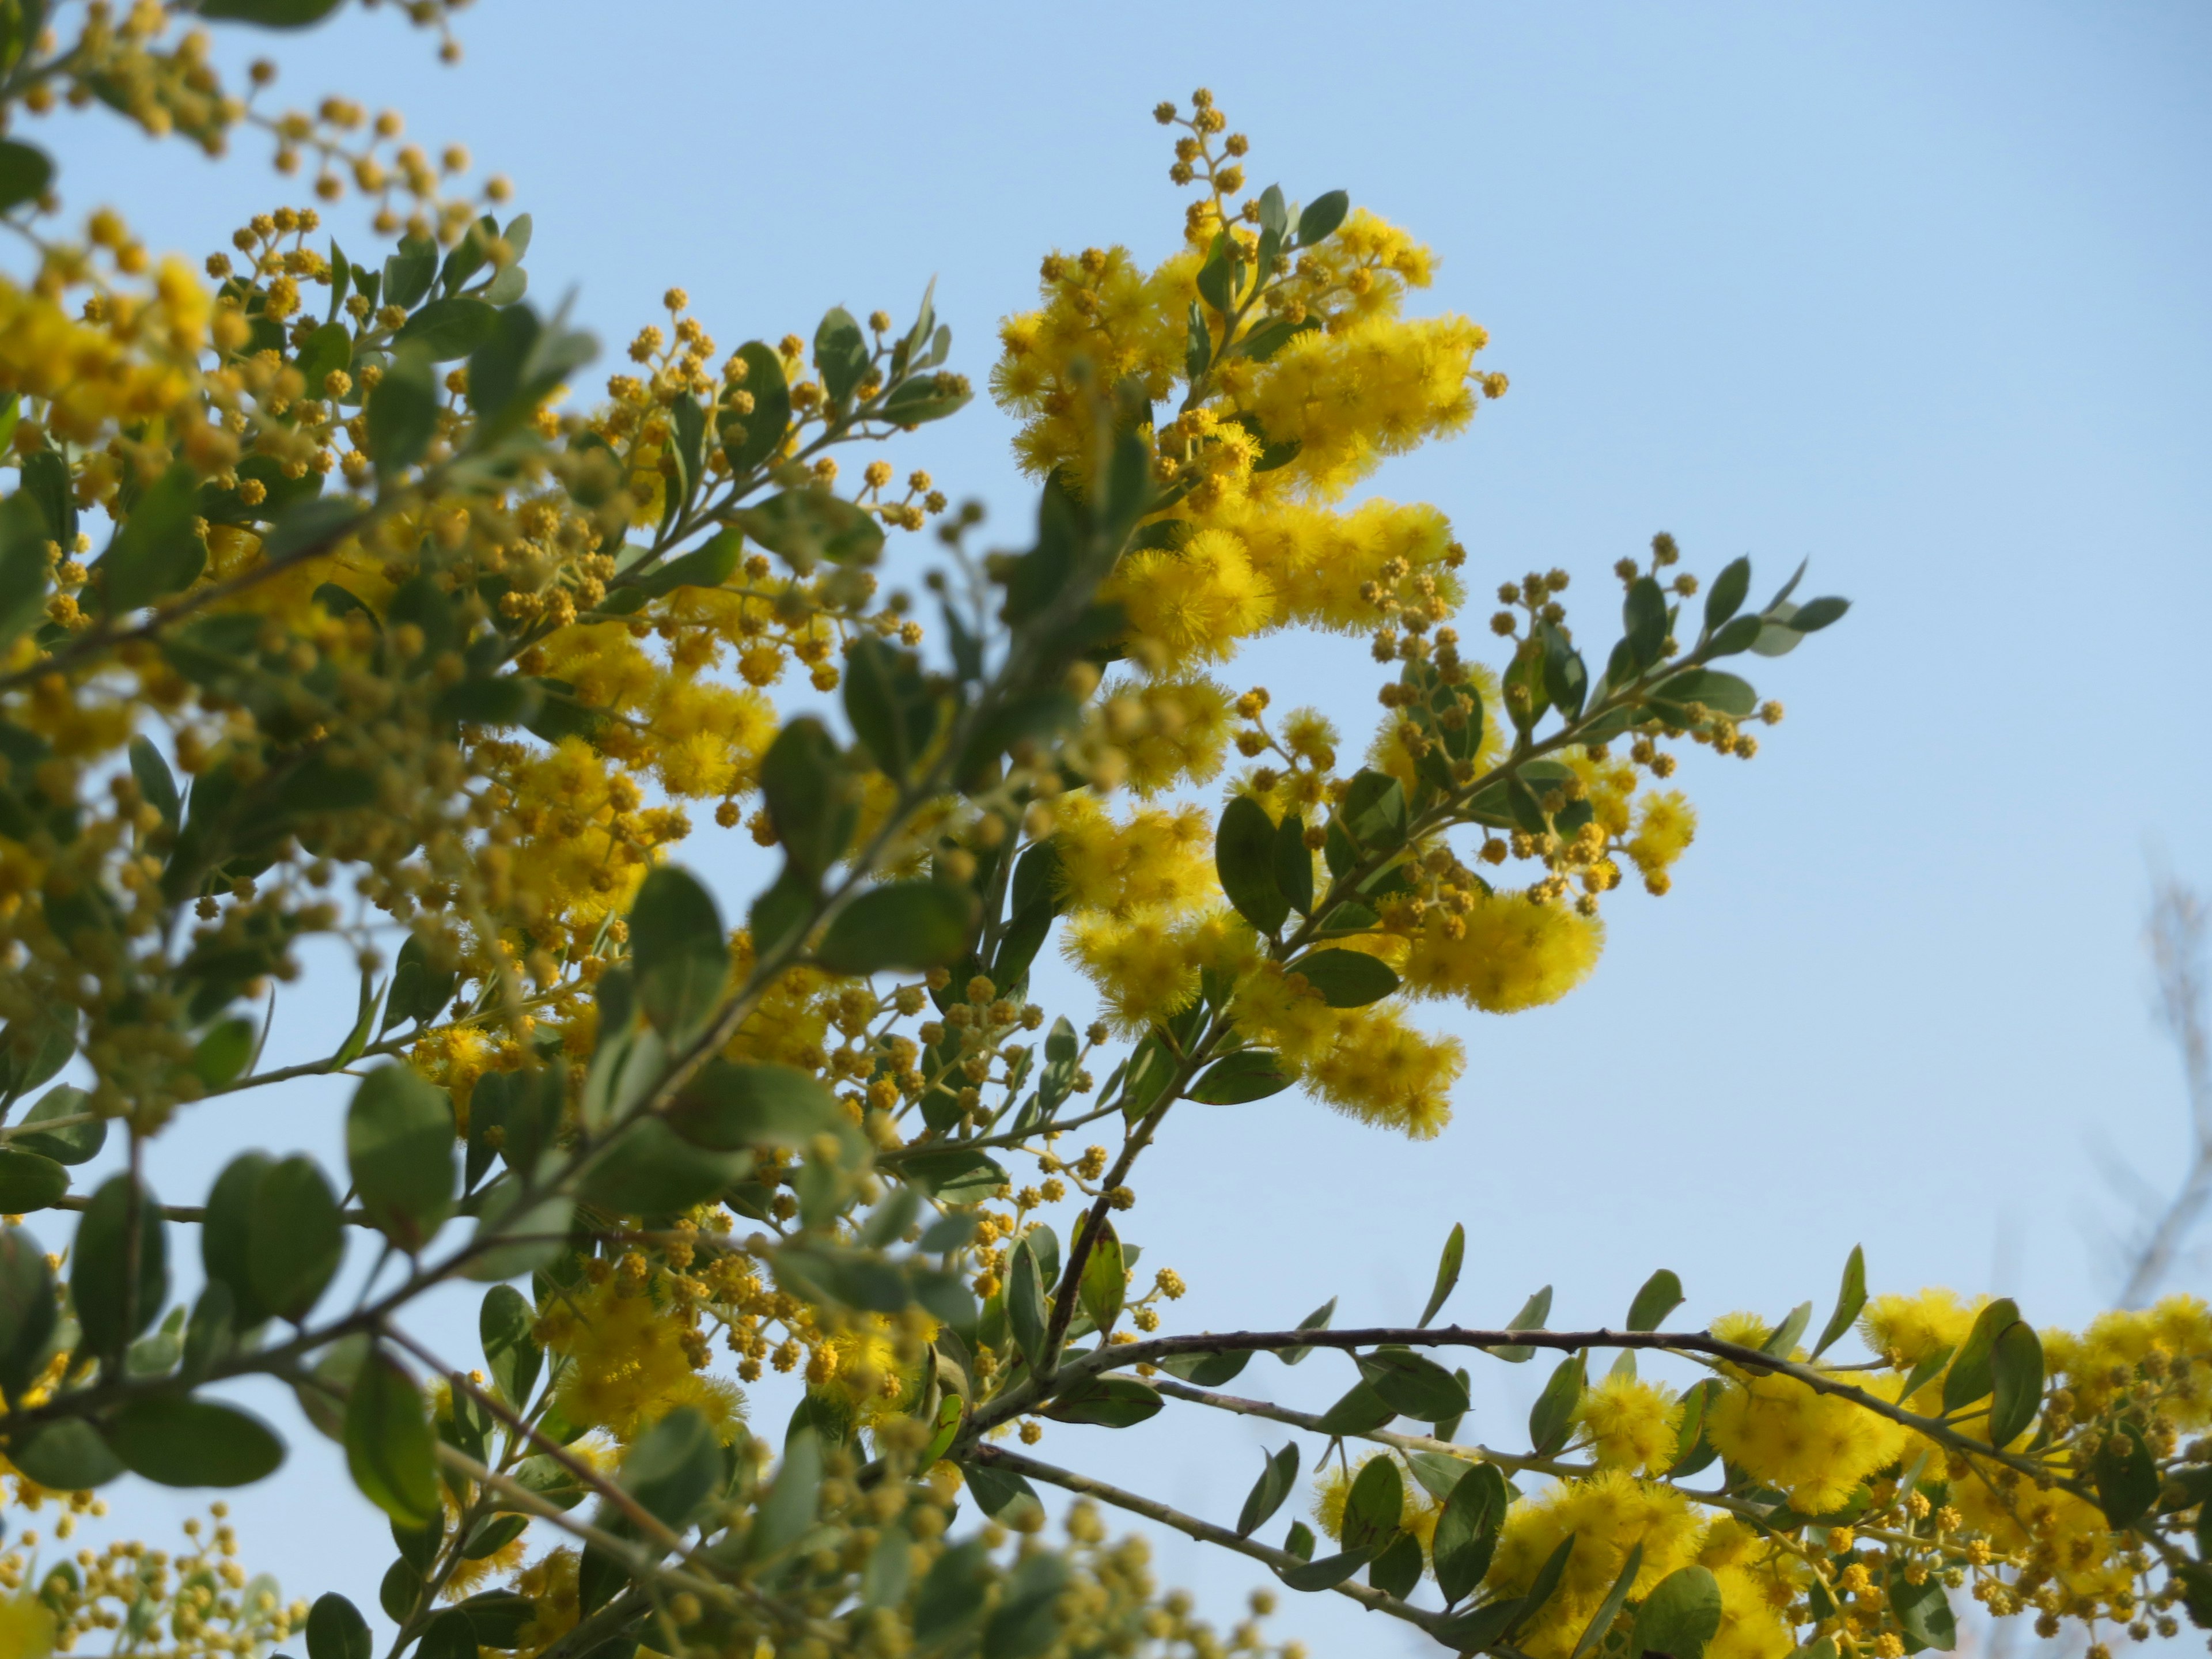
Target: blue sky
[[1915, 293]]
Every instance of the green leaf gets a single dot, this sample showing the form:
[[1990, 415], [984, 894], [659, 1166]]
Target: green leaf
[[750, 439], [122, 1221], [156, 781], [403, 413], [805, 525], [1643, 623], [674, 1468], [789, 1509], [505, 1324], [28, 1312], [336, 1629], [226, 1235], [1724, 694], [66, 1454], [904, 925], [806, 785], [1105, 1278], [1244, 858], [1783, 1337], [1397, 1570], [26, 171], [1359, 1410], [177, 1441], [954, 1175], [1294, 874], [951, 1592], [1026, 1621], [1681, 1614], [1660, 1295], [1279, 1473], [1412, 1384], [1609, 1609], [419, 991], [1693, 1450], [1850, 1295], [2016, 1361], [651, 1170], [1552, 1418], [23, 537], [389, 1446], [1346, 979], [841, 354], [924, 398], [1816, 614], [270, 15], [893, 711], [1922, 1611], [1374, 810], [1375, 1506], [158, 551], [1247, 1075], [329, 348], [1726, 596], [1447, 1266], [295, 1237], [29, 1182], [1111, 1402], [223, 1052], [1317, 1321], [1208, 1370], [445, 329], [1327, 1572], [681, 954], [2125, 1473], [1969, 1378], [399, 1149], [1025, 1303], [1322, 216], [1466, 1530], [1930, 1368]]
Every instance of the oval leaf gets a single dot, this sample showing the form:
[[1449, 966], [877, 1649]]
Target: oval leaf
[[389, 1449], [1347, 978], [1247, 1075], [177, 1441], [399, 1148], [681, 954], [908, 925]]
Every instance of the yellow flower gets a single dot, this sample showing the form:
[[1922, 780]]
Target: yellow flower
[[1632, 1425], [1607, 1515], [1507, 953]]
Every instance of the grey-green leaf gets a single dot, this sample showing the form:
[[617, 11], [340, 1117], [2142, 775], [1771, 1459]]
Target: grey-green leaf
[[1850, 1297], [681, 953], [399, 1148], [1681, 1615], [388, 1443], [1660, 1295], [1447, 1266], [1277, 1474], [177, 1441], [904, 925]]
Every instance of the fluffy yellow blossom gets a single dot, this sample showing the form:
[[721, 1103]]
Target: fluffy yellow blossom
[[1158, 857], [1193, 604], [1381, 1070], [629, 1366], [1812, 1446], [1507, 953], [1632, 1425], [1607, 1515]]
